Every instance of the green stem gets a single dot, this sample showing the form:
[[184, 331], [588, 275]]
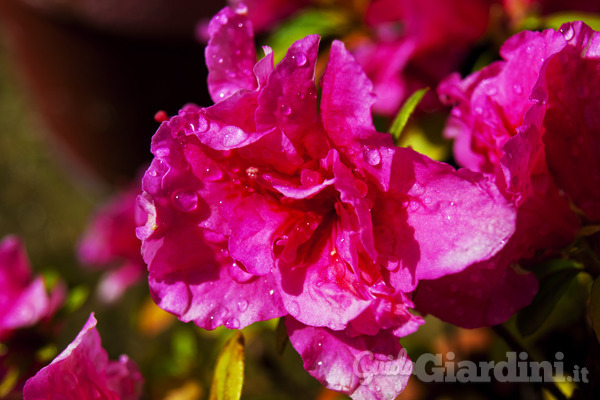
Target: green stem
[[515, 345]]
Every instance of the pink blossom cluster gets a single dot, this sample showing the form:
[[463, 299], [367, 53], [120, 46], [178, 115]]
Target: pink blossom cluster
[[532, 120], [271, 203]]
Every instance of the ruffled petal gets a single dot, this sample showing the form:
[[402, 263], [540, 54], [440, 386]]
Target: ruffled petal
[[230, 54], [364, 367]]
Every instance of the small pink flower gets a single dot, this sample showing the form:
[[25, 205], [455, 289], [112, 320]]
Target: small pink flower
[[24, 300], [532, 120], [109, 242], [83, 371], [415, 44], [269, 204]]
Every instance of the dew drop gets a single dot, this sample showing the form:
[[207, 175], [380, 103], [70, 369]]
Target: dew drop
[[285, 109], [220, 60], [238, 274], [491, 90], [294, 309], [417, 189], [372, 157], [240, 25], [478, 110], [185, 200], [271, 292], [233, 323], [377, 389], [427, 200], [320, 363], [233, 136], [518, 89], [414, 205], [568, 31], [203, 124], [300, 59], [243, 305], [223, 19], [162, 152], [456, 112]]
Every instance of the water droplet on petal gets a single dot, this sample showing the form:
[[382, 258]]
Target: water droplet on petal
[[456, 112], [233, 136], [220, 60], [240, 25], [285, 109], [185, 200], [300, 59], [223, 19], [162, 152], [372, 157], [417, 189], [568, 31], [518, 89], [294, 309], [203, 124], [427, 200], [491, 90], [243, 305], [238, 274], [233, 323], [478, 110], [414, 205]]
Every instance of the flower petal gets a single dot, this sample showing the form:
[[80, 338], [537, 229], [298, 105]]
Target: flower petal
[[364, 367]]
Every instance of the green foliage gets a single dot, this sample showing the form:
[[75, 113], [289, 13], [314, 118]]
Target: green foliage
[[228, 378], [322, 22], [595, 308], [408, 108], [554, 276]]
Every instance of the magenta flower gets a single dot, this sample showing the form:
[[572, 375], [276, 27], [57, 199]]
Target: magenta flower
[[24, 300], [415, 44], [265, 14], [83, 371], [531, 120], [269, 204], [109, 242]]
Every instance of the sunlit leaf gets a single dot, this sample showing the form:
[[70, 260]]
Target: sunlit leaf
[[228, 378], [281, 336], [76, 298], [322, 22], [405, 112], [555, 277], [595, 308]]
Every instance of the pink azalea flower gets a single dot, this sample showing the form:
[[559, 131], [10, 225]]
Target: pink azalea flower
[[417, 43], [530, 119], [265, 14], [24, 300], [269, 204], [83, 371], [109, 242]]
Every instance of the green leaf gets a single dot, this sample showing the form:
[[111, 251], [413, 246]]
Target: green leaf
[[595, 308], [555, 277], [322, 22], [229, 374], [281, 336], [405, 112], [76, 298], [556, 20]]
